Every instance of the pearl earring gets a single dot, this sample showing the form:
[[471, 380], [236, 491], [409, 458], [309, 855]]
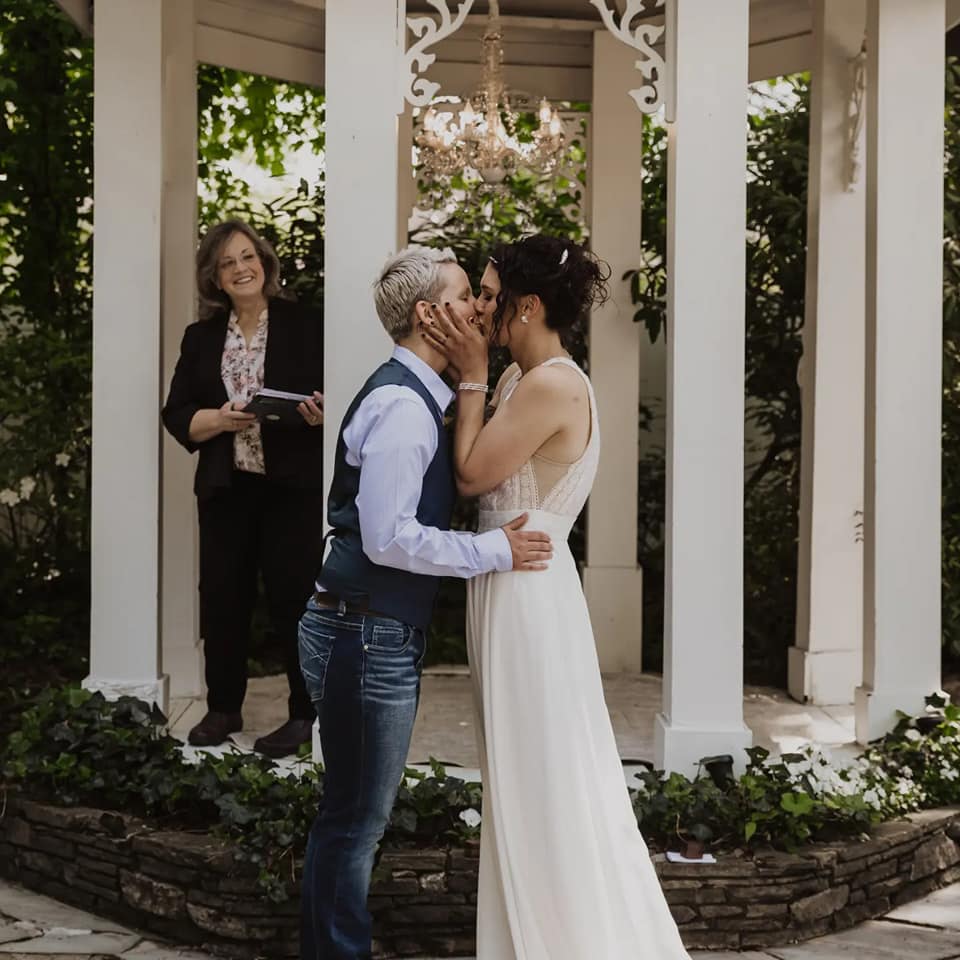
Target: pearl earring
[[523, 318]]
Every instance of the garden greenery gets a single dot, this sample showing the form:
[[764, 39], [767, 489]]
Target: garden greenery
[[75, 747]]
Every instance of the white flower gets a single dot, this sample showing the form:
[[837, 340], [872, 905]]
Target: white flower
[[470, 817], [62, 460], [9, 498], [949, 773], [27, 486], [53, 499], [913, 734]]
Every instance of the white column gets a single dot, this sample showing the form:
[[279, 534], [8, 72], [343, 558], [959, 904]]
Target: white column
[[612, 581], [182, 656], [130, 65], [901, 661], [363, 100], [363, 200], [406, 180], [825, 662], [703, 643]]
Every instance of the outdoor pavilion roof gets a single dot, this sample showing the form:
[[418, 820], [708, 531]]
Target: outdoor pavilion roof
[[547, 43]]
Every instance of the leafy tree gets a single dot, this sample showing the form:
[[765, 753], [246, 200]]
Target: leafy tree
[[951, 370], [265, 121], [46, 153]]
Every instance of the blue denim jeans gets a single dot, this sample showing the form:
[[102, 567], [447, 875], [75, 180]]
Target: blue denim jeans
[[363, 677]]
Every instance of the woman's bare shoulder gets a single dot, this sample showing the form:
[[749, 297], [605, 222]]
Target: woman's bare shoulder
[[505, 378], [553, 380]]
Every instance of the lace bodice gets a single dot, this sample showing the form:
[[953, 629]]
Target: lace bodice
[[567, 495]]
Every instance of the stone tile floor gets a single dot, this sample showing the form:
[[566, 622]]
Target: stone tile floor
[[33, 926], [445, 720]]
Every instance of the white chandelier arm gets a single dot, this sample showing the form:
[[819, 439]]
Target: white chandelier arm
[[417, 89], [653, 94]]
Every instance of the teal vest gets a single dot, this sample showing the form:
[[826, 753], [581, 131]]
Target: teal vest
[[347, 571]]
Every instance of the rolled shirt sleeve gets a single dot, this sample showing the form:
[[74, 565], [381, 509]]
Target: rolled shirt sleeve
[[393, 438]]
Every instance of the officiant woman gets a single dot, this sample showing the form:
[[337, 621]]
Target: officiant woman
[[258, 484]]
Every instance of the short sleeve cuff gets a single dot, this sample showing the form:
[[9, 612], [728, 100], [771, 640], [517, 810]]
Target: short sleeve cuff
[[494, 550]]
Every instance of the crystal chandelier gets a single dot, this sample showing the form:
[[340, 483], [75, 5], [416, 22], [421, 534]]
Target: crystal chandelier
[[486, 136]]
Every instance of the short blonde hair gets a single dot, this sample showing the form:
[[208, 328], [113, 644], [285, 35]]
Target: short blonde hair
[[412, 275]]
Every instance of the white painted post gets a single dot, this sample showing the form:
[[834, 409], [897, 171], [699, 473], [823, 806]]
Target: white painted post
[[182, 655], [703, 646], [406, 181], [904, 354], [612, 581], [363, 100], [362, 200], [825, 662], [129, 151]]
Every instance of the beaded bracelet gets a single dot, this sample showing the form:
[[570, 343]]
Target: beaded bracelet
[[479, 387]]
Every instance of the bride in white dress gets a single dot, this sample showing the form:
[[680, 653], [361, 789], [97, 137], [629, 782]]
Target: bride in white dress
[[564, 871]]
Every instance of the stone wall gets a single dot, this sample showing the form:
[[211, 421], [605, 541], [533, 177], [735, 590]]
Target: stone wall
[[187, 886], [776, 898]]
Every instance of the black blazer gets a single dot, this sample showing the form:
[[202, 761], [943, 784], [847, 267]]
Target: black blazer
[[293, 455]]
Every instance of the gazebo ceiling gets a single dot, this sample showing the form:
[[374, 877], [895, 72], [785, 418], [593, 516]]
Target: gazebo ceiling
[[548, 44]]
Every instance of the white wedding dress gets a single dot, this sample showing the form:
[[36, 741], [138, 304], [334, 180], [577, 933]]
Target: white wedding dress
[[564, 872]]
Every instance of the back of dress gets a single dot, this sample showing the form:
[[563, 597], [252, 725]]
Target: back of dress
[[542, 484]]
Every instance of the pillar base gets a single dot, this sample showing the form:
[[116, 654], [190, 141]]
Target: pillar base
[[615, 598], [824, 678], [183, 664], [315, 742], [152, 691], [679, 749], [876, 710]]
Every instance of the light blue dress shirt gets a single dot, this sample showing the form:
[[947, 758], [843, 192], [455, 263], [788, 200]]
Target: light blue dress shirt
[[392, 437]]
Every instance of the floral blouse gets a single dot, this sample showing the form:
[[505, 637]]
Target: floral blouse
[[241, 368]]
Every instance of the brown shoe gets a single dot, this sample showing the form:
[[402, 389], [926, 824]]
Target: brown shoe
[[285, 740], [214, 729]]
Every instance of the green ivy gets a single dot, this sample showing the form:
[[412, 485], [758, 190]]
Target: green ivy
[[74, 747]]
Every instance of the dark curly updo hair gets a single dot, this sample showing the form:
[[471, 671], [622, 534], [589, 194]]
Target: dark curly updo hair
[[569, 280]]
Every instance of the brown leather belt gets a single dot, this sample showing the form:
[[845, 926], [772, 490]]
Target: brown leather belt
[[330, 601]]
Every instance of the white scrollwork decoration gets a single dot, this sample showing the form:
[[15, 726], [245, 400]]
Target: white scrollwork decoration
[[855, 116], [651, 96], [417, 89]]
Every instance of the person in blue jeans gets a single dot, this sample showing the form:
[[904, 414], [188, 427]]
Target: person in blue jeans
[[362, 637]]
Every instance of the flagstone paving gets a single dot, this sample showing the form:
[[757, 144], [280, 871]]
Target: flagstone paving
[[33, 926]]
